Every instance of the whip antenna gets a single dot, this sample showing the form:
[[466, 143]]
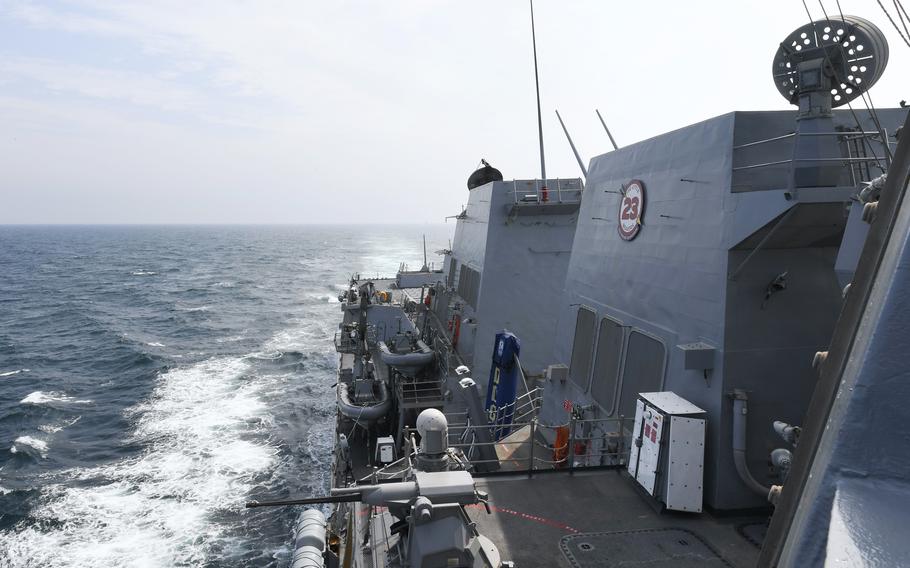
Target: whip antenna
[[543, 165], [615, 147], [581, 164]]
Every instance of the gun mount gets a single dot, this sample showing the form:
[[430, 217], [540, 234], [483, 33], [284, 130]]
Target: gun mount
[[431, 527]]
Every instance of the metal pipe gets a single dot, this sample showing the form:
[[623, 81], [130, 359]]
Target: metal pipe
[[781, 162], [740, 412], [581, 164], [615, 147]]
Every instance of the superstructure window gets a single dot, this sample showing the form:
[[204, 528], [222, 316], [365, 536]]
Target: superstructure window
[[583, 347], [643, 370], [606, 364]]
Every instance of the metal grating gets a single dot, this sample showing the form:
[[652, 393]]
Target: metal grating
[[655, 548]]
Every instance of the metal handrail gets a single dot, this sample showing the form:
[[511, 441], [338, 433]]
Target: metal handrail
[[857, 134], [537, 192], [461, 433], [781, 162], [859, 139]]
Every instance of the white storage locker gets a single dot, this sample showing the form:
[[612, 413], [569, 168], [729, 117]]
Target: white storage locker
[[668, 450]]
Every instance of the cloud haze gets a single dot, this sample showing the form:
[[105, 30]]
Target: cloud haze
[[344, 111]]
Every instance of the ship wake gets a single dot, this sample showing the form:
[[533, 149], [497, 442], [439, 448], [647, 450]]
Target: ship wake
[[205, 433]]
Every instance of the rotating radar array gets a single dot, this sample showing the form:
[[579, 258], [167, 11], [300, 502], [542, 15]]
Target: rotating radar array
[[854, 51]]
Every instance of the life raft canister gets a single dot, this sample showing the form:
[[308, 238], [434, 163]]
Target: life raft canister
[[456, 330]]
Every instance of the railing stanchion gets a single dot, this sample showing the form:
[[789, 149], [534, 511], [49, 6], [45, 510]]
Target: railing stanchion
[[622, 439], [531, 449], [570, 448]]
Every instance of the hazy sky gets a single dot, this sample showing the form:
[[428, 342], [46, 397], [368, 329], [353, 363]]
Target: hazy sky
[[210, 111]]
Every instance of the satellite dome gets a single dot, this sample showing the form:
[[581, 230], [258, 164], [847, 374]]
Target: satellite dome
[[434, 432], [484, 175], [431, 420]]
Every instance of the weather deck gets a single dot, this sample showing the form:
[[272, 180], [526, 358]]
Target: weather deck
[[574, 518], [531, 517]]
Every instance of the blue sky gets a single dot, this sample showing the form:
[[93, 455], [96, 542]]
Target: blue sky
[[217, 111]]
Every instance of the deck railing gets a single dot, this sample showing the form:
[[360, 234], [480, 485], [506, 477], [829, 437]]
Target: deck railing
[[344, 343], [537, 191], [861, 153], [420, 392], [584, 443]]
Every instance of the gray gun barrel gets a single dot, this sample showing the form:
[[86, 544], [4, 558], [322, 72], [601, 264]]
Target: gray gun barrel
[[307, 501], [439, 487], [380, 494], [369, 494]]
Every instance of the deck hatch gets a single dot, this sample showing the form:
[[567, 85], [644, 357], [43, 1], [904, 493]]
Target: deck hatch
[[606, 364], [643, 370], [583, 347], [655, 548]]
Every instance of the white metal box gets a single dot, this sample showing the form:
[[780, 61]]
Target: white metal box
[[385, 450], [668, 450], [558, 372]]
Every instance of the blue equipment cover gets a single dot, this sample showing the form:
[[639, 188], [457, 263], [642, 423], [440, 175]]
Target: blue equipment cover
[[503, 383]]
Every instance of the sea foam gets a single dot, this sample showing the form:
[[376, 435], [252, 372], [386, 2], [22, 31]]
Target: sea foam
[[39, 398], [206, 433], [16, 372], [22, 443]]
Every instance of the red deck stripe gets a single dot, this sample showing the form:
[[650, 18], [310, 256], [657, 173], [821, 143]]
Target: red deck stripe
[[530, 517]]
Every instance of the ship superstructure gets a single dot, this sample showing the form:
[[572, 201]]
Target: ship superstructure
[[619, 370]]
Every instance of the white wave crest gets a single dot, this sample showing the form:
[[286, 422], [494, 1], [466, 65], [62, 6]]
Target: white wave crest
[[38, 398], [16, 372], [205, 430], [155, 344], [54, 428], [328, 298], [225, 284], [35, 444], [143, 273]]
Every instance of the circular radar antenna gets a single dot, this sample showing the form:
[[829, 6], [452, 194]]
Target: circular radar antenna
[[851, 53]]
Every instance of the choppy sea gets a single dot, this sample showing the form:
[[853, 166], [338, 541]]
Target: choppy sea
[[154, 378]]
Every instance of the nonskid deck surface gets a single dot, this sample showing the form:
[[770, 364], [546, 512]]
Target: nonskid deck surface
[[531, 519]]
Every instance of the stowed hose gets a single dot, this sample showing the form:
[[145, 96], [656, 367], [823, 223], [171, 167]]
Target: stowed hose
[[740, 413]]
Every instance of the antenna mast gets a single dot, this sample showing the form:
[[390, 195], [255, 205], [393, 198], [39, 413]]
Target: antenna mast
[[615, 147], [581, 164], [425, 267], [543, 165]]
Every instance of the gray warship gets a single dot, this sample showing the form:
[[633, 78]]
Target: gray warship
[[697, 355]]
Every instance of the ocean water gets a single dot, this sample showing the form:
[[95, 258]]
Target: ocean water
[[153, 379]]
